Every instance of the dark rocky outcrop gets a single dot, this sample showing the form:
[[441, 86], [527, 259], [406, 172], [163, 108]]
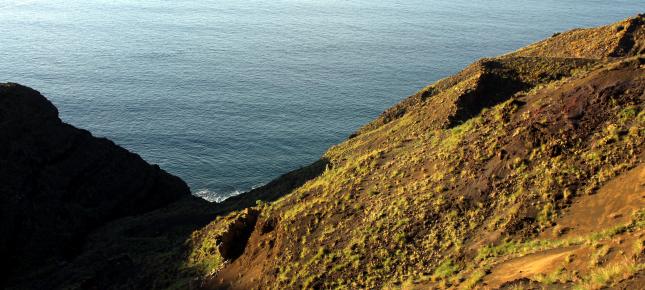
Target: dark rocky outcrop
[[80, 212], [58, 184]]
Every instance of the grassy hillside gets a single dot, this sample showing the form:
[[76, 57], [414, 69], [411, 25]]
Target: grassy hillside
[[522, 170]]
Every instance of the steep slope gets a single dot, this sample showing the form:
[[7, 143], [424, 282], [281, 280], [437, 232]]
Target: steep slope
[[575, 249], [79, 212], [461, 180], [59, 184]]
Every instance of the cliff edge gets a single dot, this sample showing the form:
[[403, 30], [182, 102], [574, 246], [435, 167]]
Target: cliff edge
[[59, 184]]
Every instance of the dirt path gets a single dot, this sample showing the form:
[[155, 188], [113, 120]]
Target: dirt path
[[527, 266]]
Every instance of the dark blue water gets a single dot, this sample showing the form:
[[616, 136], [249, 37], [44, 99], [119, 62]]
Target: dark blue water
[[230, 94]]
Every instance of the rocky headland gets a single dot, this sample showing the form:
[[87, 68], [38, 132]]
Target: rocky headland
[[523, 171]]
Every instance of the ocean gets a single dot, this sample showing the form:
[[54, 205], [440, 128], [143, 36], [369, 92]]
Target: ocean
[[229, 94]]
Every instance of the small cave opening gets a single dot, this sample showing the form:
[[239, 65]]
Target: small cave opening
[[234, 240]]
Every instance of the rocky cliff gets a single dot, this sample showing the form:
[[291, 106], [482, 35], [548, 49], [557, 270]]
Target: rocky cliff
[[59, 184], [79, 212], [521, 171]]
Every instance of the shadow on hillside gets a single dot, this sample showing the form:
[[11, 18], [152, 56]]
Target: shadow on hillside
[[276, 188], [150, 250]]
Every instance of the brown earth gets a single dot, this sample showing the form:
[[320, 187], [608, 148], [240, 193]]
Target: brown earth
[[527, 267], [614, 204]]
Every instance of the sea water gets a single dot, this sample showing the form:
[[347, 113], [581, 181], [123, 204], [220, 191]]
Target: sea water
[[229, 94]]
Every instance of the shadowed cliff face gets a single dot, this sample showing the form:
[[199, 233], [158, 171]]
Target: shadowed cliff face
[[59, 183], [79, 212]]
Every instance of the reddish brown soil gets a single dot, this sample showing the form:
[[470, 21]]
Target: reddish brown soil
[[613, 205]]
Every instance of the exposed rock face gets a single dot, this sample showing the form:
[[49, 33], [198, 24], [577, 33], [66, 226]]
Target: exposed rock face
[[58, 183]]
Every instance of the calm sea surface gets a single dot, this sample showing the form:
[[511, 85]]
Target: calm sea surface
[[229, 94]]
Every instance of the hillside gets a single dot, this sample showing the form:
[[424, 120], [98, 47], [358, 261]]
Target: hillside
[[511, 173], [521, 171]]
